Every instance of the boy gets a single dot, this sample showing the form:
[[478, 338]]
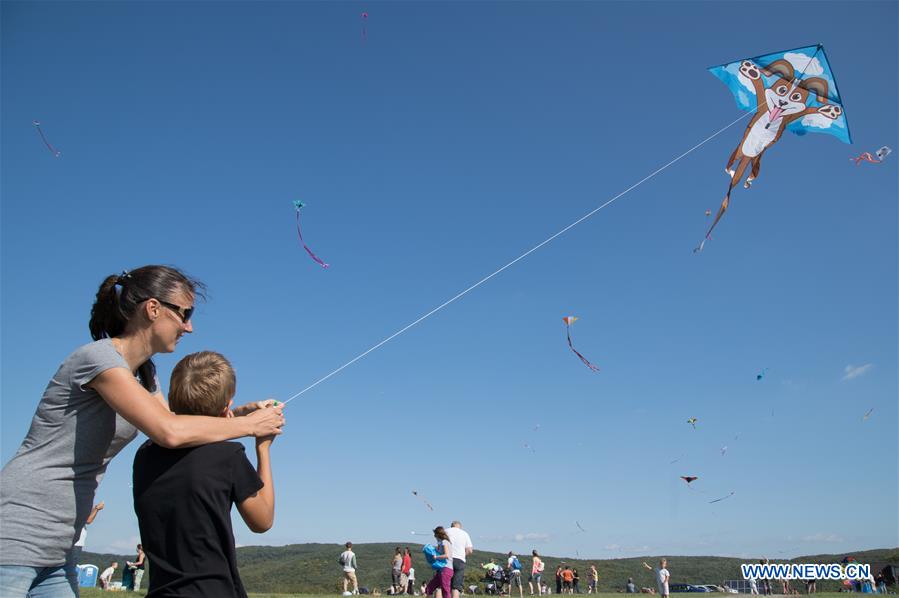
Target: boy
[[106, 576], [183, 497]]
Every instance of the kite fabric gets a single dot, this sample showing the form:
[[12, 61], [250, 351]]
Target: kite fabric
[[692, 421], [569, 320], [689, 478], [791, 90], [580, 527], [364, 17], [761, 374], [722, 498], [868, 414], [867, 157], [298, 205], [53, 150]]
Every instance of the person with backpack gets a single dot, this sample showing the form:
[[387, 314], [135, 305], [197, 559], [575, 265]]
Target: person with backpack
[[514, 567]]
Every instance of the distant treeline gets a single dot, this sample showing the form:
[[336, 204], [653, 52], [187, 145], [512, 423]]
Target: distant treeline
[[313, 568]]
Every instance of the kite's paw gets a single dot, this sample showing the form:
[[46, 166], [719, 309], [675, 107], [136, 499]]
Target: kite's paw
[[729, 172], [748, 183], [750, 70], [830, 111]]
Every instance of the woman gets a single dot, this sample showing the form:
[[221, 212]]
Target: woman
[[137, 568], [443, 565], [93, 406]]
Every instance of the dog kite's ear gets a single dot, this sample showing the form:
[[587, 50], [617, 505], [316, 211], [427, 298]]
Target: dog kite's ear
[[816, 85], [782, 68]]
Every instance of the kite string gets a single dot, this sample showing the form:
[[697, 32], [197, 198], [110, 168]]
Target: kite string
[[518, 259]]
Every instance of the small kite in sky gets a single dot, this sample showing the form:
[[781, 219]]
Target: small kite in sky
[[689, 478], [569, 320], [867, 157], [722, 498], [791, 90], [298, 205], [529, 447], [868, 414], [580, 527], [37, 125], [422, 499], [761, 374], [708, 212], [723, 450], [692, 421], [676, 460], [364, 17]]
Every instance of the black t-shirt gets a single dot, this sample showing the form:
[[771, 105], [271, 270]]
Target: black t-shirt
[[183, 500]]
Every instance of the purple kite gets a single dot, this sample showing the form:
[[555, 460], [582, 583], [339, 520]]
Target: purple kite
[[318, 260]]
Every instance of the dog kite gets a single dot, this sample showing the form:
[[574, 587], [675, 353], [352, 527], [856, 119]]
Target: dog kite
[[569, 320], [795, 90], [298, 205], [422, 499]]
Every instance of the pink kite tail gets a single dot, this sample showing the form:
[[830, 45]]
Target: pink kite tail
[[317, 259], [52, 149], [582, 358], [865, 156]]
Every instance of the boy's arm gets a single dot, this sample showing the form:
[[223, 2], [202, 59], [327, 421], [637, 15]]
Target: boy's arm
[[93, 514], [258, 510]]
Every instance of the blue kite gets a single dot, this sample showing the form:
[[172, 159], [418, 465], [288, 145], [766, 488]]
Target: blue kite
[[791, 90]]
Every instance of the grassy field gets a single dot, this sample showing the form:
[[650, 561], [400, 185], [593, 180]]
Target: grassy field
[[95, 593]]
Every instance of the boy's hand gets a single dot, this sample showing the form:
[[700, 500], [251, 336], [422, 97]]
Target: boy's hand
[[254, 406], [264, 441], [99, 506]]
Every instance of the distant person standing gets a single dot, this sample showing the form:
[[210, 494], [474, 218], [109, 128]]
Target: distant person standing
[[576, 582], [404, 572], [410, 589], [462, 547], [537, 567], [631, 587], [396, 571], [347, 560], [592, 580], [514, 567], [137, 568], [662, 576], [559, 579], [567, 580]]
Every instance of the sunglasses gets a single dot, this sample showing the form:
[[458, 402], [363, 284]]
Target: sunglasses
[[185, 313]]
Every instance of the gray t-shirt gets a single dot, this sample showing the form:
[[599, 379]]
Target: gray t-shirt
[[47, 489]]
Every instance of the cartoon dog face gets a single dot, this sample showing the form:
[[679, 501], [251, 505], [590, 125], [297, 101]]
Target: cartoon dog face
[[790, 101]]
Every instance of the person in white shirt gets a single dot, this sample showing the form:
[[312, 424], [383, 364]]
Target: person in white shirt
[[662, 576], [348, 561], [462, 547], [513, 565], [410, 588], [106, 576]]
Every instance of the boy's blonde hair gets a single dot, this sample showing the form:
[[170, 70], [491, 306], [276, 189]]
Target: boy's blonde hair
[[202, 384]]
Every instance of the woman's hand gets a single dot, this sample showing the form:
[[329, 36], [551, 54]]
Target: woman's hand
[[254, 406], [266, 422]]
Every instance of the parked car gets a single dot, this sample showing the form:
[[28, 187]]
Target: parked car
[[686, 587], [716, 588]]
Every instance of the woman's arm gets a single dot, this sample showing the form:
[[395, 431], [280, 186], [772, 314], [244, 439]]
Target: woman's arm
[[447, 551], [132, 401]]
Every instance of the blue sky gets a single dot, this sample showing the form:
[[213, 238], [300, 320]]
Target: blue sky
[[454, 138]]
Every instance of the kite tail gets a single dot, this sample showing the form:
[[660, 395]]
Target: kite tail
[[317, 259], [52, 149], [734, 181], [867, 157], [576, 352]]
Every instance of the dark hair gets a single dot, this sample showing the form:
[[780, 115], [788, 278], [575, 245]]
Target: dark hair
[[534, 552], [440, 533], [349, 544], [120, 294]]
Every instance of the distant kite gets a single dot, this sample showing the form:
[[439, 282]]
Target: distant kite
[[708, 213], [364, 17], [867, 157], [723, 450], [569, 320], [868, 414], [580, 527], [692, 421], [422, 499], [52, 149], [689, 478], [761, 374], [722, 498], [318, 260], [676, 460]]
